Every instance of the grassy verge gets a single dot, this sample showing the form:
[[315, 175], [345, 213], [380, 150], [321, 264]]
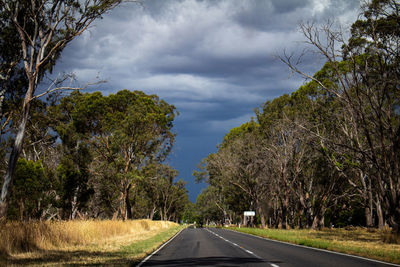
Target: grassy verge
[[137, 251], [82, 242], [357, 241]]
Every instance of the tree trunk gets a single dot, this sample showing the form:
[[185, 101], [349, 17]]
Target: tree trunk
[[263, 224], [379, 213], [21, 209], [319, 219], [316, 223], [285, 206], [394, 212], [300, 219], [115, 215], [122, 199], [128, 204], [2, 94], [165, 213], [74, 204], [122, 207], [277, 216], [12, 162], [161, 214], [261, 213], [152, 212], [394, 222], [368, 216], [368, 199], [309, 216], [369, 208]]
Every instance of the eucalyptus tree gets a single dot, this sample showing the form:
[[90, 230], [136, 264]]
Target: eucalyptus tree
[[364, 78], [137, 131], [10, 56], [113, 141], [44, 28], [30, 199], [174, 199], [73, 123], [164, 196], [296, 161], [333, 129], [283, 142], [226, 197], [208, 207], [241, 164]]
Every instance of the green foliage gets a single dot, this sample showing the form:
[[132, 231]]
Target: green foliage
[[336, 136], [73, 187], [124, 132], [238, 132], [158, 195], [190, 213], [104, 142], [207, 206], [30, 191]]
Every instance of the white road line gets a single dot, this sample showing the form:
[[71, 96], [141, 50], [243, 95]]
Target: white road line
[[248, 251], [318, 249], [236, 245], [157, 250]]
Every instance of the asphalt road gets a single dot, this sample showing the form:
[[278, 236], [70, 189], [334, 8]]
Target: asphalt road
[[220, 247]]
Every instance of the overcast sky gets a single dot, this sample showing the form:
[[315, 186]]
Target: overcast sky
[[214, 60]]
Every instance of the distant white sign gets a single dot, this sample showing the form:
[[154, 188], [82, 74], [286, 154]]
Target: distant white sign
[[249, 213]]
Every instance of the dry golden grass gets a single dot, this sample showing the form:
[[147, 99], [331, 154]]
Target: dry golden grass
[[75, 242]]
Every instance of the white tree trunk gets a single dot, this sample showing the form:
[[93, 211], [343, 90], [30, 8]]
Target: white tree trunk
[[12, 164]]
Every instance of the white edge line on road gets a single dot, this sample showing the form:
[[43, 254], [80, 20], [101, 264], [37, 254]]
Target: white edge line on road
[[232, 243], [319, 249], [236, 245], [157, 250]]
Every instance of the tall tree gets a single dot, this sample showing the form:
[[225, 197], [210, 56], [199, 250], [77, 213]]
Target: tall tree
[[124, 132], [364, 78], [31, 185], [241, 164], [44, 29], [136, 132], [10, 55]]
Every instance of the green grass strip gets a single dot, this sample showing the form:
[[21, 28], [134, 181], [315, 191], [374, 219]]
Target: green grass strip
[[139, 249]]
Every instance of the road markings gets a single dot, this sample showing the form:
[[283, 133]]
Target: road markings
[[318, 249], [157, 250], [232, 243], [236, 245]]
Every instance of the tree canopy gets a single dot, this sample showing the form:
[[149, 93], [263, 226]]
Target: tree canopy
[[331, 145]]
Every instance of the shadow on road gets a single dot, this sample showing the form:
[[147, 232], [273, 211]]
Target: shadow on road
[[72, 258], [207, 261]]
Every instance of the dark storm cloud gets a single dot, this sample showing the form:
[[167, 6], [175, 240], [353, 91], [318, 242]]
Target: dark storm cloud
[[284, 15], [264, 15], [214, 60]]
